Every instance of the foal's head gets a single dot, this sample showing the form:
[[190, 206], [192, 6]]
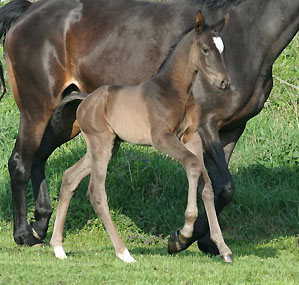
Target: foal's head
[[207, 53]]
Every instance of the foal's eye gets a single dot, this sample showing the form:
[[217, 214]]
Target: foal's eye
[[205, 51]]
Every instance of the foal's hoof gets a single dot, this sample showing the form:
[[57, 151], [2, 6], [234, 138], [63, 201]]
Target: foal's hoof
[[228, 258], [177, 243]]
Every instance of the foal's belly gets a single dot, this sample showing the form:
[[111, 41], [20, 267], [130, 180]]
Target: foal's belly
[[127, 114]]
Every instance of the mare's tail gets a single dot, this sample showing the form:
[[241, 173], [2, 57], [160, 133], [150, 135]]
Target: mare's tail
[[9, 14], [2, 81], [66, 110]]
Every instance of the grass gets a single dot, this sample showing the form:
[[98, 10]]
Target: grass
[[91, 261], [147, 197]]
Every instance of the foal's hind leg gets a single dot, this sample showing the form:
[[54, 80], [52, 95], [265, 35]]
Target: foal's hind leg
[[71, 179], [100, 146]]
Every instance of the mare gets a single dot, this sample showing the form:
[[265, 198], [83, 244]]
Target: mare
[[92, 43], [161, 112]]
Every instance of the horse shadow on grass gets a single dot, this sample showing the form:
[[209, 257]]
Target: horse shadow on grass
[[147, 195]]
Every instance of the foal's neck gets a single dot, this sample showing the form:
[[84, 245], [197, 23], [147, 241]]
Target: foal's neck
[[178, 72]]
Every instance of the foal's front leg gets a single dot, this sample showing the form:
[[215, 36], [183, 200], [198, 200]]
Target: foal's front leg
[[168, 143], [194, 144]]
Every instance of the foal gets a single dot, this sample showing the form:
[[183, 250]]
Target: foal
[[160, 112]]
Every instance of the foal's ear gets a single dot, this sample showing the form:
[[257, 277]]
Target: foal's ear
[[218, 27], [199, 22]]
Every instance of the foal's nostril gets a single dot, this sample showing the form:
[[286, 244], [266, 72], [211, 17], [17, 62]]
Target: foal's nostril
[[224, 84]]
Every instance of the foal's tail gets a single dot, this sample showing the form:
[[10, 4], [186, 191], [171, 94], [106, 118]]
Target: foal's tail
[[9, 14]]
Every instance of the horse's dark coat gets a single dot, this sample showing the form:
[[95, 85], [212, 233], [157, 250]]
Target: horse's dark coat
[[161, 112], [91, 43]]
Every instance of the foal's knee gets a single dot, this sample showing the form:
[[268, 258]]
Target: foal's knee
[[192, 166]]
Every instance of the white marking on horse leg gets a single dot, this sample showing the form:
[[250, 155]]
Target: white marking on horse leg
[[219, 44], [59, 252], [35, 234], [126, 256]]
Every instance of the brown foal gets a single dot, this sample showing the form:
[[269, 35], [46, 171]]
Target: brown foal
[[160, 112]]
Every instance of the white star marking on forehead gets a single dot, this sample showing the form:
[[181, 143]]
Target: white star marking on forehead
[[219, 44]]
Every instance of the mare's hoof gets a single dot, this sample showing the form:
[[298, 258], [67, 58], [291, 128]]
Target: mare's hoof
[[173, 243], [228, 258], [34, 242], [29, 240], [177, 243], [41, 244]]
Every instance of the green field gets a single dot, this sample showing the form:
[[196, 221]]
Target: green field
[[147, 197]]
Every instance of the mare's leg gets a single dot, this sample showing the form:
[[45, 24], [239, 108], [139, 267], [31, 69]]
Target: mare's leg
[[37, 90], [60, 129], [217, 157], [19, 165], [101, 146], [71, 179]]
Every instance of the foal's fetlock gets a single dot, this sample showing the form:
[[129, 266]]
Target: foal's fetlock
[[226, 254], [59, 252], [227, 258], [177, 242], [125, 256]]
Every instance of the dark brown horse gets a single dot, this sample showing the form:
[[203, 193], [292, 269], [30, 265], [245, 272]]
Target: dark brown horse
[[160, 112], [58, 46]]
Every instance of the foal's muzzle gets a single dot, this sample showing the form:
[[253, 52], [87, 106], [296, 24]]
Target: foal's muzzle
[[222, 83]]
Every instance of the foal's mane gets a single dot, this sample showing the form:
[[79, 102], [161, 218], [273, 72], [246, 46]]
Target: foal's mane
[[171, 50], [218, 4], [215, 3]]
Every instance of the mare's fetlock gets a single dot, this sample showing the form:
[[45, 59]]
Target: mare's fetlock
[[40, 228], [177, 242]]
